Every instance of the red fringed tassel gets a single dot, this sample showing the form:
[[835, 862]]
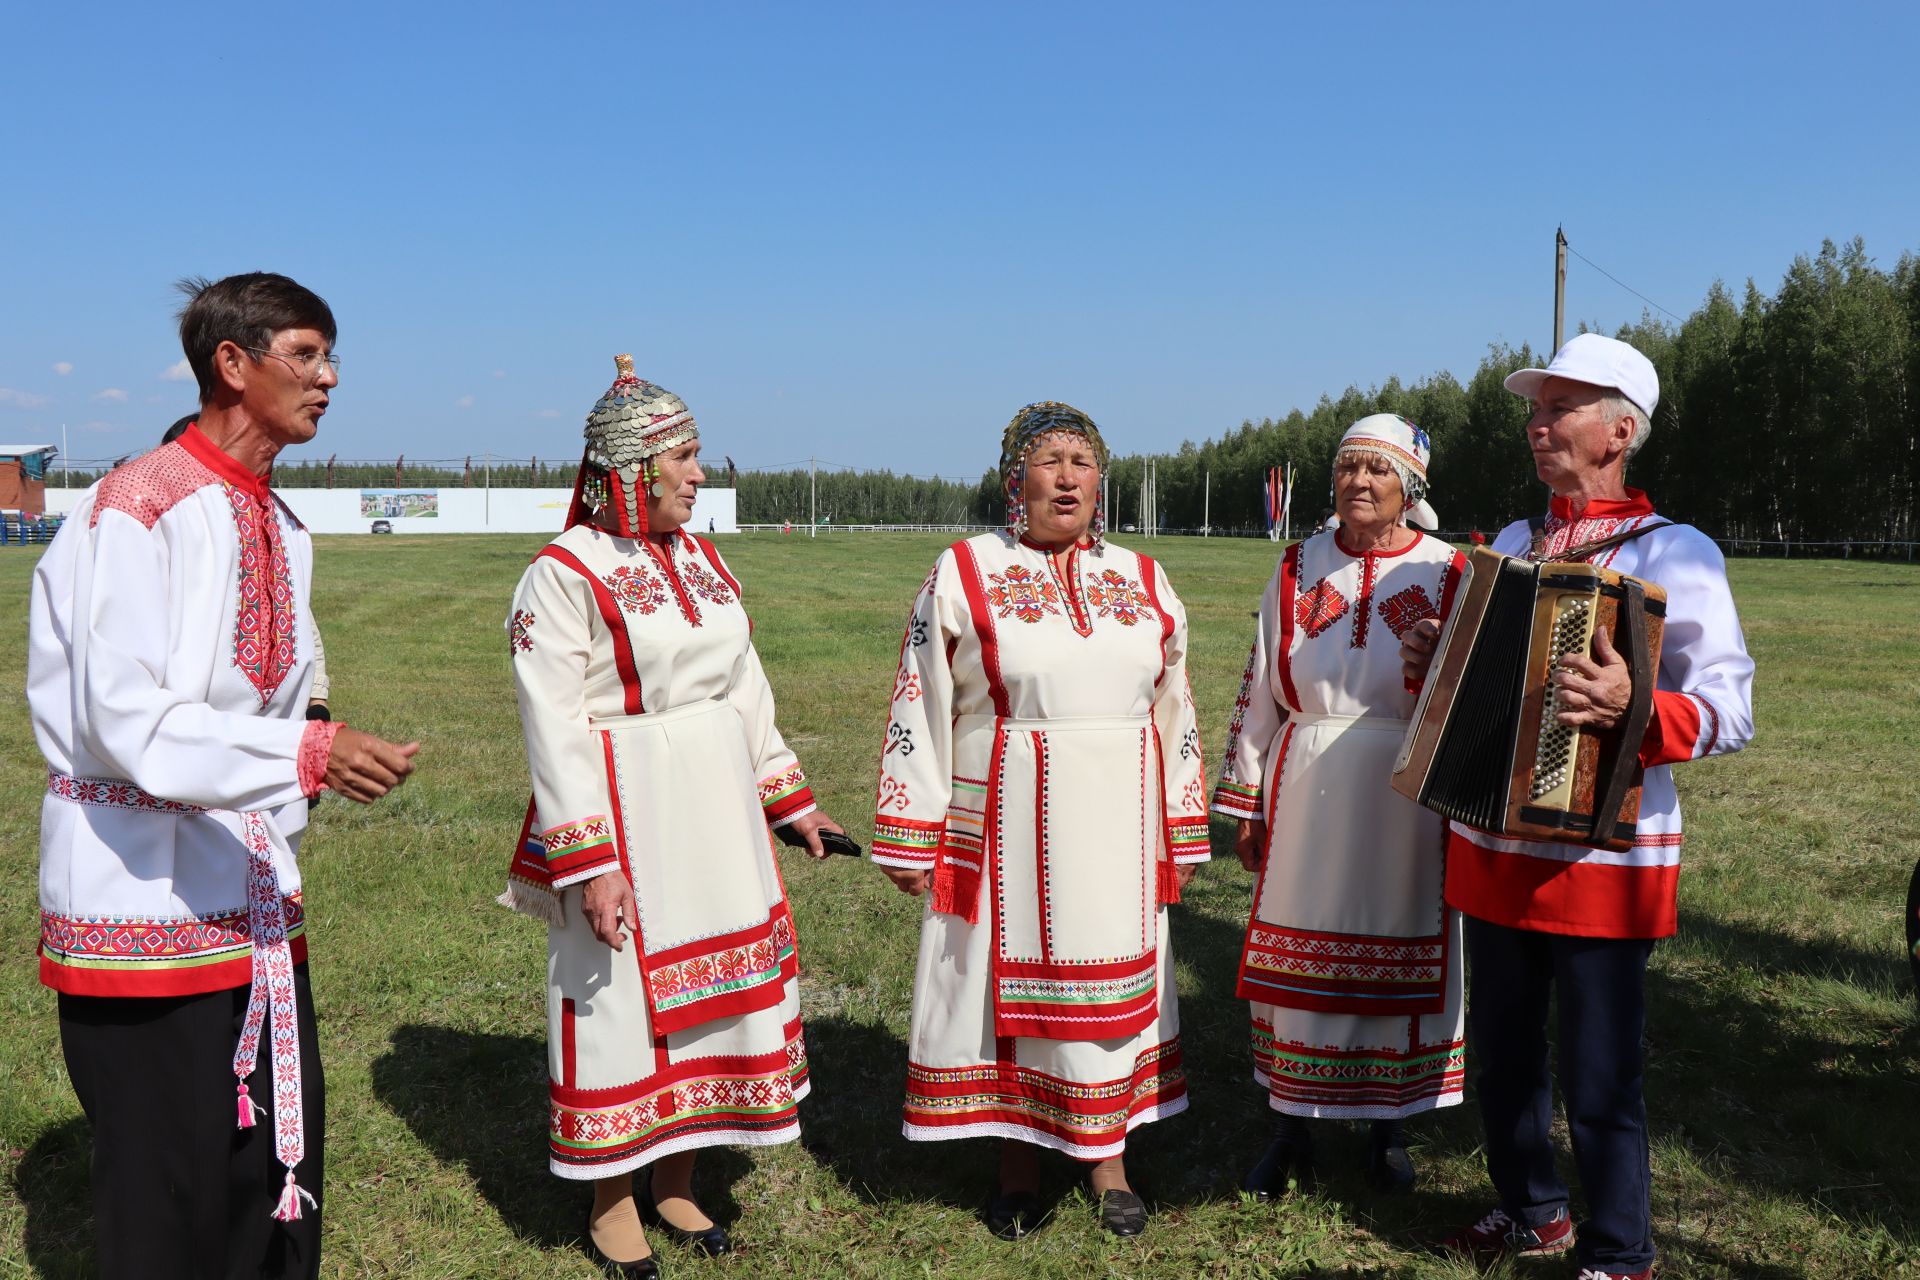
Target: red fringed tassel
[[245, 1118], [288, 1210], [1167, 881]]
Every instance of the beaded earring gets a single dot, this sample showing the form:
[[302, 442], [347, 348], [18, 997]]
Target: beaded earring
[[1017, 502]]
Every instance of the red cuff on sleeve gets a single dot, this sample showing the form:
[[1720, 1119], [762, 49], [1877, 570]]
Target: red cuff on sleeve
[[1672, 729], [316, 744]]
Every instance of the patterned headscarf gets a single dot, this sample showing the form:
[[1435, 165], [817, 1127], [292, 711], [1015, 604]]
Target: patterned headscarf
[[1405, 448], [634, 421], [1028, 428]]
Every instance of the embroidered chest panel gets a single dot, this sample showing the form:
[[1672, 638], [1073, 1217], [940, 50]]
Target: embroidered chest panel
[[265, 636]]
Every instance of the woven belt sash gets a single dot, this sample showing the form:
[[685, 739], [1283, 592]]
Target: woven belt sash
[[270, 998]]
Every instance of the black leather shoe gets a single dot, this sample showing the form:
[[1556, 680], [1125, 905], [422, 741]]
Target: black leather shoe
[[647, 1268], [1123, 1213], [1390, 1170], [1013, 1214], [1286, 1165], [712, 1241]]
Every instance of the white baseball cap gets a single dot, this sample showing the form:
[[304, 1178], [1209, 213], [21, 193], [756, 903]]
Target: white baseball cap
[[1599, 361]]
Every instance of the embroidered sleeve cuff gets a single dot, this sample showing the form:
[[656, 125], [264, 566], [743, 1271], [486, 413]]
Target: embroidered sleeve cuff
[[1673, 731], [1187, 840], [1236, 800], [903, 842], [316, 744], [579, 850], [786, 796]]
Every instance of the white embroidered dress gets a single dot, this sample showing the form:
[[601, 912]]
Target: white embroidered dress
[[1352, 961], [1042, 759], [650, 732]]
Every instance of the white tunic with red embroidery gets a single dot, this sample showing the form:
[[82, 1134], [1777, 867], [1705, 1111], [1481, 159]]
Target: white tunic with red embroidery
[[1702, 706], [1042, 760], [169, 655], [650, 731], [1352, 961]]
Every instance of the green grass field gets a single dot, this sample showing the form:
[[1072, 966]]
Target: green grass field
[[1784, 1061]]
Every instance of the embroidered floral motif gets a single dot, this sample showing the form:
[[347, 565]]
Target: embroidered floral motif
[[917, 630], [114, 795], [1401, 610], [636, 590], [899, 738], [1021, 593], [263, 633], [1195, 794], [1319, 608], [1114, 595], [906, 686], [1240, 704], [520, 631], [706, 584]]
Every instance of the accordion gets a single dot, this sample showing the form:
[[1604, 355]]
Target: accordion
[[1485, 747]]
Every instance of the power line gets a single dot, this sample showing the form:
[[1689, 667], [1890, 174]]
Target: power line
[[1623, 284]]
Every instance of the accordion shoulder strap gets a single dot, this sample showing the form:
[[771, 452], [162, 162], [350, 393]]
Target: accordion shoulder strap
[[1537, 528]]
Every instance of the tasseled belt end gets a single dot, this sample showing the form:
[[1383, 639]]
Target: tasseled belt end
[[288, 1210]]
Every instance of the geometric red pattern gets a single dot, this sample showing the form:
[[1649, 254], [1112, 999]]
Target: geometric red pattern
[[636, 590], [1403, 609], [1021, 593], [520, 632], [264, 634], [705, 584], [1319, 607]]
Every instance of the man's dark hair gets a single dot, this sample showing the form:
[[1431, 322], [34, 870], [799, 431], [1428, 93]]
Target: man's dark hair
[[179, 428], [246, 310]]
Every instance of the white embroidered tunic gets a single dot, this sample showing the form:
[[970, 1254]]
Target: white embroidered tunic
[[1352, 961], [650, 732], [1702, 706], [1042, 760], [169, 655]]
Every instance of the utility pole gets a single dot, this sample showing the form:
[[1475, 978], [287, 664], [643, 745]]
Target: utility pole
[[1206, 508], [66, 469], [486, 499], [813, 499], [1559, 285]]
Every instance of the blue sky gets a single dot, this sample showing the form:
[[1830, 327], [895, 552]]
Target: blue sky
[[869, 233]]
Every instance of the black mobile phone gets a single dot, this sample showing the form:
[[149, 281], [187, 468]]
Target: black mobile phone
[[831, 841]]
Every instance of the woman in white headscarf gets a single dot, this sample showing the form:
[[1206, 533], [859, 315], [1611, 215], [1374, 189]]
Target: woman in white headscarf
[[1352, 958]]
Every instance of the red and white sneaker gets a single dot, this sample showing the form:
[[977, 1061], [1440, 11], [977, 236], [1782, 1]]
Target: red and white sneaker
[[1595, 1273], [1497, 1235]]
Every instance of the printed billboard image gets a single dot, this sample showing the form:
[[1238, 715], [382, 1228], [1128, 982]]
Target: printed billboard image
[[399, 504]]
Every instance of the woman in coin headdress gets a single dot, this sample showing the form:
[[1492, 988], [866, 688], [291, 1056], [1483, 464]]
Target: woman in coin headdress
[[673, 1020], [1041, 774], [1351, 960]]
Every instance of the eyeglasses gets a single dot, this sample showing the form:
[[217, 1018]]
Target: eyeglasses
[[305, 363]]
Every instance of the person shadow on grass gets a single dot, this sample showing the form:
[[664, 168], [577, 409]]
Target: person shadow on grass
[[478, 1101]]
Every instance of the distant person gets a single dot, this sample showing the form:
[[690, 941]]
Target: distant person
[[786, 527], [169, 666], [657, 773], [1478, 538], [1542, 914], [317, 698], [1349, 871], [1041, 774], [709, 524]]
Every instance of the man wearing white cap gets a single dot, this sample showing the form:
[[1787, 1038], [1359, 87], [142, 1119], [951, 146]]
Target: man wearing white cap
[[1544, 913]]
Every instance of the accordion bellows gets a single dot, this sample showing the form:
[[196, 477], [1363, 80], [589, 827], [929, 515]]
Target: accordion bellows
[[1485, 747]]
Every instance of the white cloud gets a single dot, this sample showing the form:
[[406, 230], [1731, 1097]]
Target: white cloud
[[114, 394], [23, 399], [63, 367], [464, 402], [547, 413], [178, 372]]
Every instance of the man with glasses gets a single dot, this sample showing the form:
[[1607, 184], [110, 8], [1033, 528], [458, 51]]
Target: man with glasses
[[170, 656]]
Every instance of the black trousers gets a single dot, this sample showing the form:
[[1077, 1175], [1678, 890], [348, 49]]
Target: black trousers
[[1602, 1012], [179, 1190]]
